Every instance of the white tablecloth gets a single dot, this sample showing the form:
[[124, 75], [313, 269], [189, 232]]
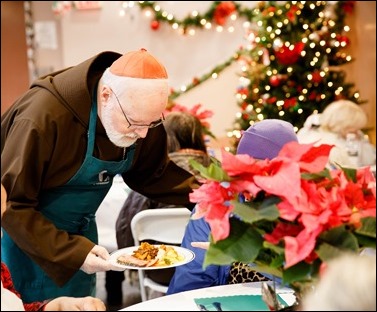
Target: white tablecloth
[[184, 301]]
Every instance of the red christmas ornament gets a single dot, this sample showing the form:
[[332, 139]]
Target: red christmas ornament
[[271, 100], [287, 56], [269, 10], [243, 90], [155, 25], [222, 11], [274, 81], [342, 39], [245, 116], [291, 102], [291, 14], [312, 96], [316, 77]]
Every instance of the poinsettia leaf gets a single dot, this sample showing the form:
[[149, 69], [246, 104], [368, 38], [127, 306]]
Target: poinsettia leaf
[[262, 268], [366, 234], [270, 259], [276, 248], [254, 211], [299, 272], [325, 173], [208, 132], [368, 227], [350, 173], [243, 244], [340, 236], [327, 251], [212, 172], [365, 241], [335, 242]]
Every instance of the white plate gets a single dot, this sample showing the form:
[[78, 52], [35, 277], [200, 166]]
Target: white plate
[[187, 254]]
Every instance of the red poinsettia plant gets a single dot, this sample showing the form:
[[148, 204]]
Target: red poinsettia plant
[[287, 215]]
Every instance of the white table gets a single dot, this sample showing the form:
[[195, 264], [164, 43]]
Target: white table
[[184, 301]]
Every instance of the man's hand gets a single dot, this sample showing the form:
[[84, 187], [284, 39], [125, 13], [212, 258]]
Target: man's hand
[[97, 261], [75, 304]]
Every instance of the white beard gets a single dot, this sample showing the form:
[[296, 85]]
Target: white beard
[[117, 138]]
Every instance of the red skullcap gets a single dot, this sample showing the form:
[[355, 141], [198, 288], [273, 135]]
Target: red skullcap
[[139, 64]]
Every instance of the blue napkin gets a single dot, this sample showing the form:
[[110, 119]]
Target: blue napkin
[[234, 303]]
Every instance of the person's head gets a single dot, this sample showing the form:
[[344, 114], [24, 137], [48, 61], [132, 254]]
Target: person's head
[[132, 95], [264, 139], [184, 130], [343, 117], [348, 283]]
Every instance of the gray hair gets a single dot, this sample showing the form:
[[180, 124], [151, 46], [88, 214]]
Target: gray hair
[[342, 116], [122, 85], [348, 284]]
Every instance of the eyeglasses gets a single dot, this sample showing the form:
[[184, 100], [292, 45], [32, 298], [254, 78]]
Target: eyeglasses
[[153, 124]]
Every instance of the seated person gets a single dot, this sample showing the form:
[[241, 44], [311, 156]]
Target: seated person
[[347, 283], [185, 141], [12, 301], [263, 140], [339, 122]]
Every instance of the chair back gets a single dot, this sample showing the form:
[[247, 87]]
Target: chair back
[[165, 225]]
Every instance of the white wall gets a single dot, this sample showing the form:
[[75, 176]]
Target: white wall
[[82, 34]]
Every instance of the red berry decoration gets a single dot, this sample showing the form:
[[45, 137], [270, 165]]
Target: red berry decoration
[[155, 25], [316, 77], [274, 81]]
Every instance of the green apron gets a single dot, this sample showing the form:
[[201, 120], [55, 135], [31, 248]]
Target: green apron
[[71, 208]]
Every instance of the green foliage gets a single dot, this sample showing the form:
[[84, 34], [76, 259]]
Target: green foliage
[[212, 172]]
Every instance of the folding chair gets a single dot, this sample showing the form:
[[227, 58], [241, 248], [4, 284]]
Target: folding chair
[[165, 225]]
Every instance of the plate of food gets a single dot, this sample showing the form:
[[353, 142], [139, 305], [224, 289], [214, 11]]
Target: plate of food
[[151, 257]]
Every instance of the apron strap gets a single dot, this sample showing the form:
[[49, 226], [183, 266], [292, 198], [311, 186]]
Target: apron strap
[[92, 127]]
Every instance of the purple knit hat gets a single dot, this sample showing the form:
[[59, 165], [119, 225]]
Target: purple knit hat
[[265, 138]]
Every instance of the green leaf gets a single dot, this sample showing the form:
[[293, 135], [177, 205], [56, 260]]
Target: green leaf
[[212, 172], [251, 212], [336, 241], [366, 234], [327, 252], [368, 227], [325, 173], [243, 244], [301, 273], [276, 248], [365, 241], [263, 268], [350, 173]]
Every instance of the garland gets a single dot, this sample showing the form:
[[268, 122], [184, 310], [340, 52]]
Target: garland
[[211, 74], [217, 14]]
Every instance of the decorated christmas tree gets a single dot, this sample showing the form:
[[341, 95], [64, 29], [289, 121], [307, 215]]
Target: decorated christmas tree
[[292, 62]]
